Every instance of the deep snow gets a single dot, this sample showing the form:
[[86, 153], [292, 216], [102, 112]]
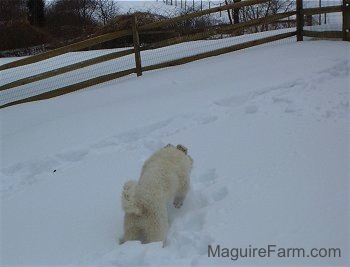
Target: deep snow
[[267, 127]]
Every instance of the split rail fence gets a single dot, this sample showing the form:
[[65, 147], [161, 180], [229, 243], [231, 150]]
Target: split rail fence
[[299, 13]]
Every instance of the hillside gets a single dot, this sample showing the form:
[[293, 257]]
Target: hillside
[[267, 127]]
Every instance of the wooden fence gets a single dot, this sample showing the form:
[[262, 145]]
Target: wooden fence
[[299, 13]]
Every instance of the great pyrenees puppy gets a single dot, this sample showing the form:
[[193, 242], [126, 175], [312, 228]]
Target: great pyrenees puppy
[[165, 177]]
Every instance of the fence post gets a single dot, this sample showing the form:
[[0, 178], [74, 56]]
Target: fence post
[[136, 41], [346, 20], [300, 20]]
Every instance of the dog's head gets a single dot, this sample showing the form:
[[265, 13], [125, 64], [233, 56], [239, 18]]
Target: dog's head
[[182, 148], [179, 147]]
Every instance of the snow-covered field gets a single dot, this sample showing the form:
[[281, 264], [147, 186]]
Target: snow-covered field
[[267, 127]]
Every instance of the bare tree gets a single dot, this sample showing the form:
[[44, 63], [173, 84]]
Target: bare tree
[[263, 10], [233, 15], [86, 9], [229, 12], [243, 14], [35, 12], [12, 10], [106, 10], [67, 19], [236, 12]]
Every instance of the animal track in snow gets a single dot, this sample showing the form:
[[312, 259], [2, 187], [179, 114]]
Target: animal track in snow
[[186, 233], [283, 100], [208, 177], [250, 99], [290, 109], [206, 119], [154, 132], [233, 101], [147, 138], [338, 110], [219, 194], [72, 156], [251, 109], [340, 69], [30, 168], [209, 188], [23, 174], [28, 172], [130, 136]]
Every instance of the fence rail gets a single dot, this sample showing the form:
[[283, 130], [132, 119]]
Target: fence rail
[[323, 34], [223, 29], [66, 69], [321, 10], [135, 31], [73, 88], [220, 51], [69, 48]]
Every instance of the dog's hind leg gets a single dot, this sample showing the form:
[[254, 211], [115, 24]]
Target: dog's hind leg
[[182, 191], [157, 227], [131, 231]]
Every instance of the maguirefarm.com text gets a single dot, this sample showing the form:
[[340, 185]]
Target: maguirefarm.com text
[[272, 251]]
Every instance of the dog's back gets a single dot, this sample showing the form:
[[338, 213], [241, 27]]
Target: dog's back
[[164, 171]]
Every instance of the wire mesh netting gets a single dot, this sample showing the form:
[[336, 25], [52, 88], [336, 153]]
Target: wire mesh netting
[[325, 21], [209, 27]]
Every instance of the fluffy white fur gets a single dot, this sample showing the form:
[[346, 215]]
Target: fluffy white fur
[[164, 178]]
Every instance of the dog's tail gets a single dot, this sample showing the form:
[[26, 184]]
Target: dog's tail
[[129, 200]]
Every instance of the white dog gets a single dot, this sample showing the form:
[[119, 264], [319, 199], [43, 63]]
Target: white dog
[[164, 178]]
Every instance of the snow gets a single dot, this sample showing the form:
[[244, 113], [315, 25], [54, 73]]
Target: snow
[[267, 127], [157, 7]]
